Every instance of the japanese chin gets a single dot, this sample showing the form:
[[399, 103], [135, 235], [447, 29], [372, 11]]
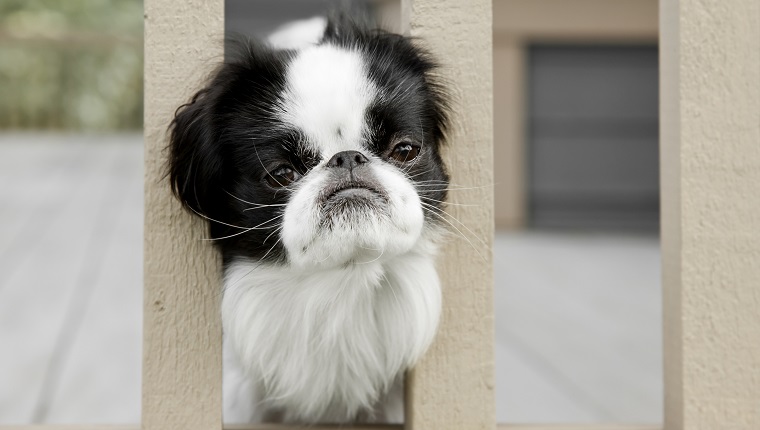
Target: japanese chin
[[315, 157]]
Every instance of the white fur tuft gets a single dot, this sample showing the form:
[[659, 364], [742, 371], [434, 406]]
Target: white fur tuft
[[327, 345], [298, 34]]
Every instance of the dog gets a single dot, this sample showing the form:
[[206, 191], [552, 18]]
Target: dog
[[317, 164]]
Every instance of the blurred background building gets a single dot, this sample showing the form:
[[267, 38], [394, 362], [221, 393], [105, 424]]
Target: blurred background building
[[577, 288]]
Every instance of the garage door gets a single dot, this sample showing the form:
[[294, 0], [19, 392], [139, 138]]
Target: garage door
[[593, 137]]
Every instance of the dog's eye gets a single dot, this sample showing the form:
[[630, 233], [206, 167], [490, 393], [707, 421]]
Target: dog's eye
[[404, 152], [282, 177]]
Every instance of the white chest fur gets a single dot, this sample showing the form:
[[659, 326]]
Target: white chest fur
[[325, 345]]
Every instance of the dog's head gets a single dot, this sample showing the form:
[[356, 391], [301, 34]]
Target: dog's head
[[319, 156]]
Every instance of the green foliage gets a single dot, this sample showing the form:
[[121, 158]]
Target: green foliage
[[71, 64]]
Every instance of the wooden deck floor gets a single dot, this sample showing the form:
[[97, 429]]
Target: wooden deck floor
[[70, 277], [577, 316]]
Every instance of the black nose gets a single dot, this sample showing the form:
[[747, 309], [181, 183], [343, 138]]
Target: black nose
[[347, 160]]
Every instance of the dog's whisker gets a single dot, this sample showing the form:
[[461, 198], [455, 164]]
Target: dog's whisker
[[217, 221], [451, 184], [272, 248], [452, 188], [238, 198], [420, 174], [256, 227], [329, 254], [276, 230], [462, 235], [255, 149], [440, 211], [448, 203], [382, 251], [235, 234], [264, 206]]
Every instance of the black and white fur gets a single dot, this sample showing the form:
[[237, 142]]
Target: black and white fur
[[317, 166]]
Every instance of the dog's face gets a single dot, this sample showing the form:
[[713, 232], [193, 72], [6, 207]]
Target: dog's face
[[319, 157]]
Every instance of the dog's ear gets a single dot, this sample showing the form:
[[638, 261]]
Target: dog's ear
[[195, 160]]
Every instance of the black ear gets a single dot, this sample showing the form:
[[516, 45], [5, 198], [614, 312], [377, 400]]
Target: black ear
[[195, 160]]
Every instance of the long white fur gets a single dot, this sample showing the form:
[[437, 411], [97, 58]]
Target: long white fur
[[330, 333], [323, 345]]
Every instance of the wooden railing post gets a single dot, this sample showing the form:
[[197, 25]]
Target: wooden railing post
[[452, 388], [182, 330], [710, 161]]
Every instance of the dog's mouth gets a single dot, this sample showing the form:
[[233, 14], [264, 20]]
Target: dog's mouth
[[352, 197], [351, 190], [353, 193]]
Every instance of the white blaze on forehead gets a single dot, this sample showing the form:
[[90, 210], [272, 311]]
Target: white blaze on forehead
[[326, 96]]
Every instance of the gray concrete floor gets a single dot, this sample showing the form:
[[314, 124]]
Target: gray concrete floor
[[578, 328], [577, 315]]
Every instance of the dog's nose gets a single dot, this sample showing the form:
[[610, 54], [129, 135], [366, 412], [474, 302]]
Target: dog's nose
[[347, 160]]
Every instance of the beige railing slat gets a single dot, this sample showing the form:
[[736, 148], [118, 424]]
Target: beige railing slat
[[182, 330], [367, 427], [510, 58], [453, 386], [710, 154]]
